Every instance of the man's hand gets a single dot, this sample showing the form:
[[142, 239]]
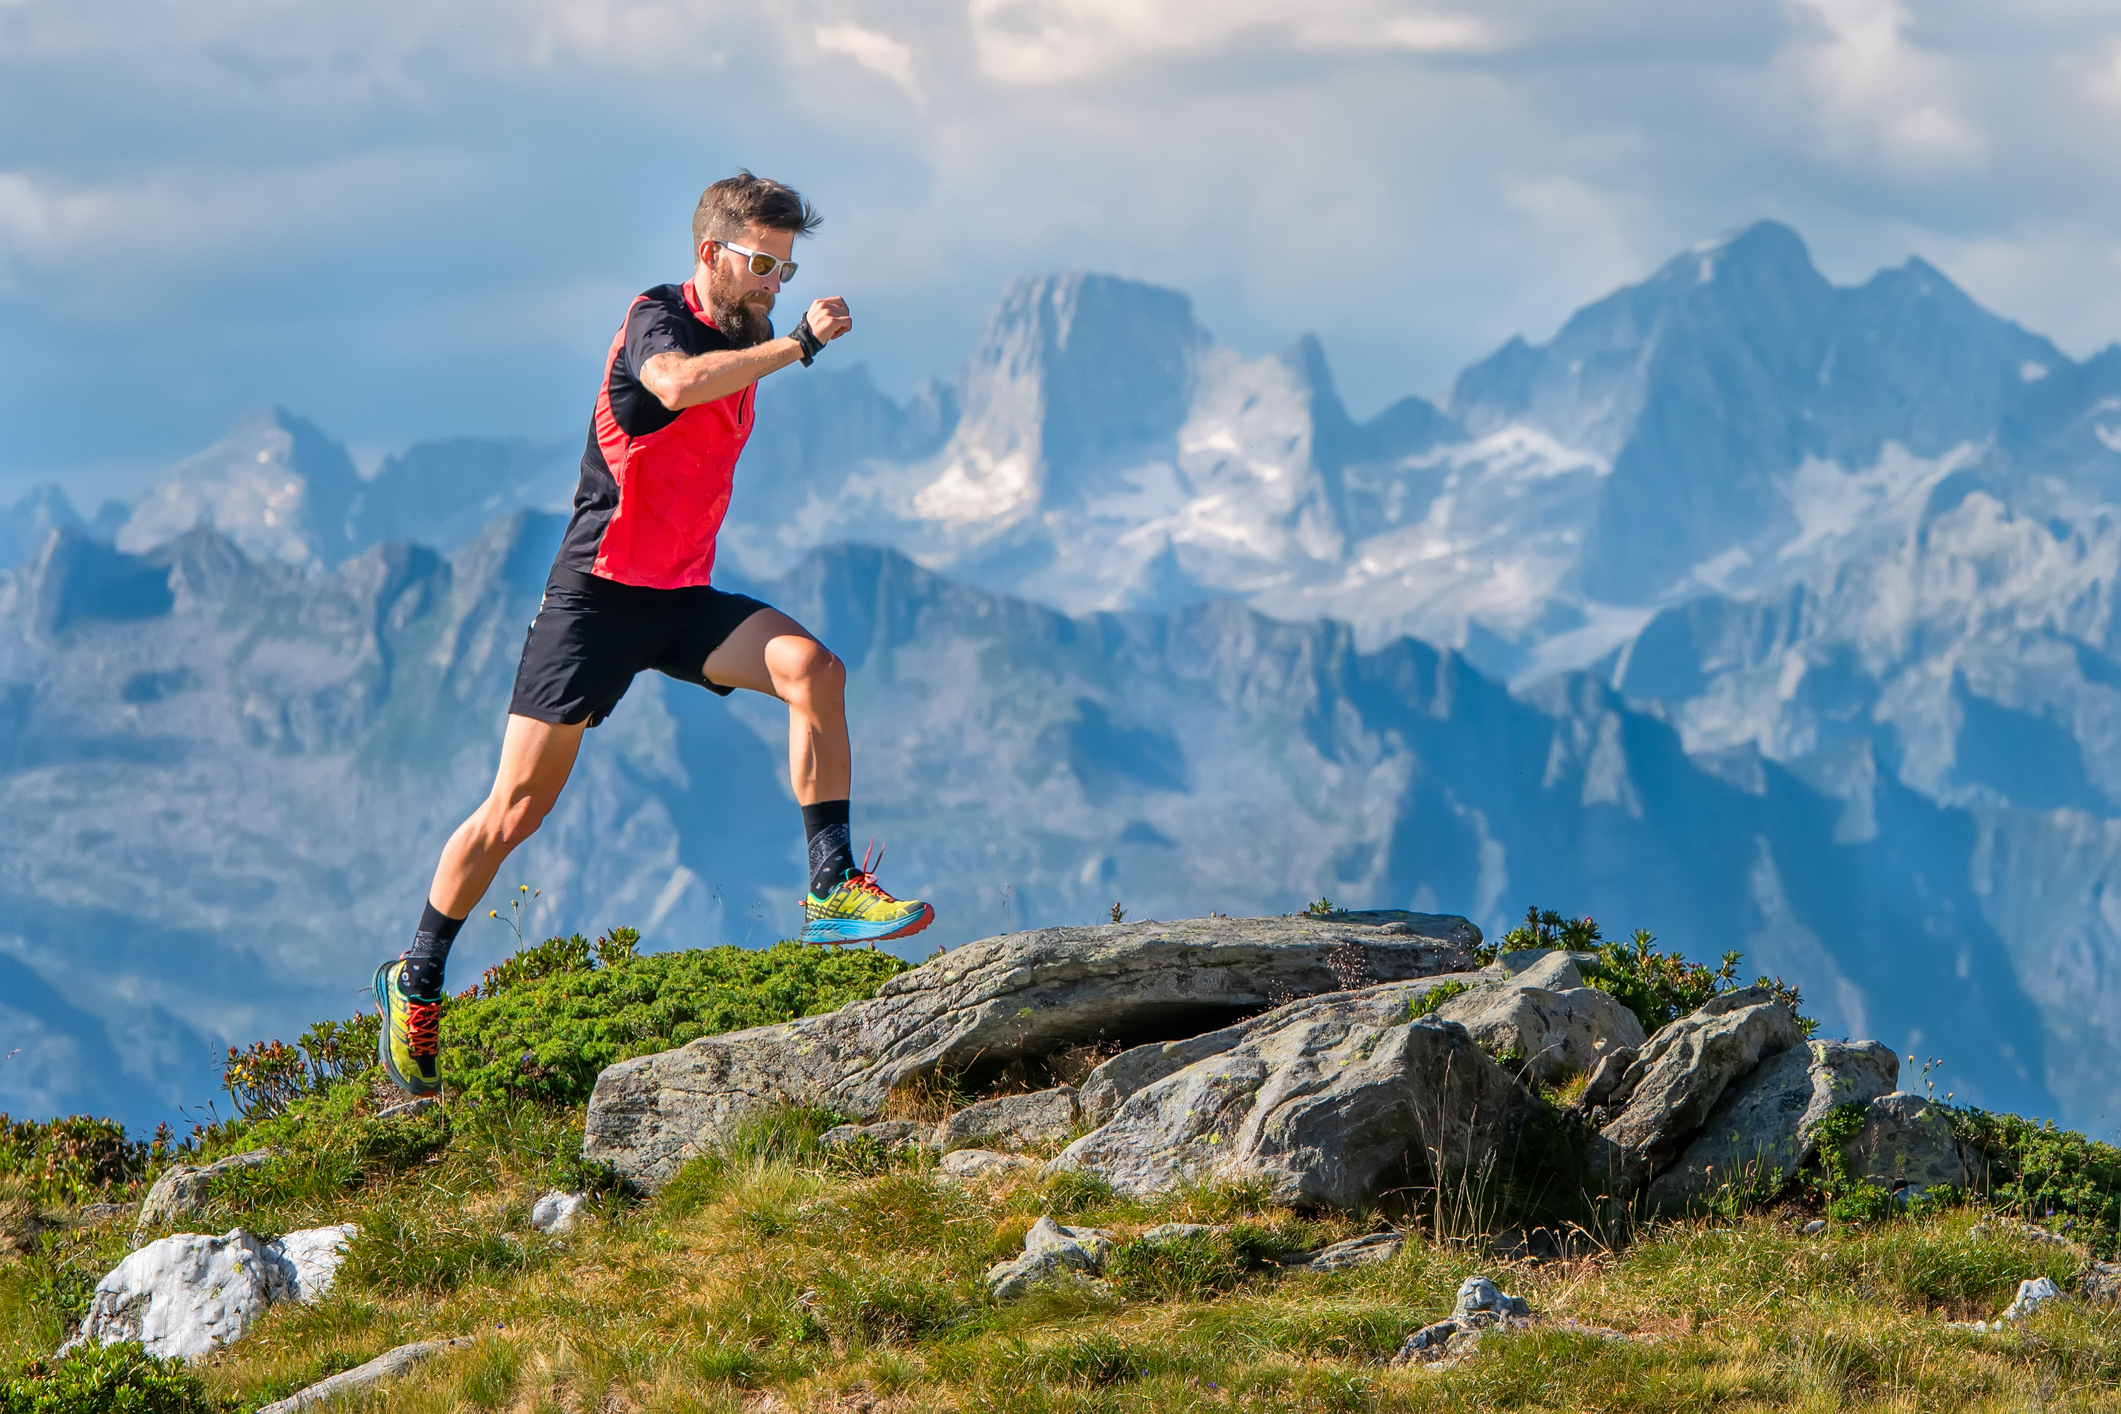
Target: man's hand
[[829, 318]]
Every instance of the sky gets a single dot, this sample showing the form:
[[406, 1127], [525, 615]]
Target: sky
[[410, 219]]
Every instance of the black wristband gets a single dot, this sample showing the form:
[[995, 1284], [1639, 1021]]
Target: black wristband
[[807, 342]]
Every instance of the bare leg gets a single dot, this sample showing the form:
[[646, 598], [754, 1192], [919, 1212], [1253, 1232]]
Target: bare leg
[[773, 654], [535, 760]]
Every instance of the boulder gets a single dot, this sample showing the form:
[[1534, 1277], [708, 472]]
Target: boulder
[[1013, 1121], [1907, 1145], [962, 1164], [1548, 1017], [1179, 1232], [1764, 1128], [1019, 997], [181, 1192], [1680, 1076], [1323, 1103], [184, 1297], [2100, 1281], [1108, 1086], [1050, 1251]]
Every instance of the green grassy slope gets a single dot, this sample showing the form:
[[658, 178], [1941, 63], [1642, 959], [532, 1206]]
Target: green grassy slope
[[773, 1276]]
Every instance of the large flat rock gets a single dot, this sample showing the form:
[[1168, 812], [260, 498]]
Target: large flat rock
[[1015, 997]]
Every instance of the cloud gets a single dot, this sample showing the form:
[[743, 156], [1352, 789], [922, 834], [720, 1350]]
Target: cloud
[[230, 202], [872, 51], [1046, 41]]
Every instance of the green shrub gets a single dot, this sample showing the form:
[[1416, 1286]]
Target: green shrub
[[2055, 1177], [548, 1032], [77, 1159], [1192, 1267], [110, 1379], [1431, 1001], [1658, 986]]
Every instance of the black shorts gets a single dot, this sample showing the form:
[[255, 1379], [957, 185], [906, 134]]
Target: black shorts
[[592, 635]]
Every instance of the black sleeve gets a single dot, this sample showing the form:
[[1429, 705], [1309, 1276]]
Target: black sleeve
[[651, 329]]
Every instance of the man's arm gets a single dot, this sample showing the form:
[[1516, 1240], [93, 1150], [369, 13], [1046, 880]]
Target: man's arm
[[679, 382]]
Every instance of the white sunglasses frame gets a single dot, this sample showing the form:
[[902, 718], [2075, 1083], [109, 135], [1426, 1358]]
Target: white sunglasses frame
[[785, 269]]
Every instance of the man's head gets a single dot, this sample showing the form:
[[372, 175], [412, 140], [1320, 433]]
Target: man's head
[[762, 216]]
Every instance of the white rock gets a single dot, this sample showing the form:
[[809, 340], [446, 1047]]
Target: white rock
[[310, 1260], [557, 1213], [2032, 1295], [185, 1296]]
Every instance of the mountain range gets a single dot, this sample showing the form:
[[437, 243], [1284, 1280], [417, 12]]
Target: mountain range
[[1764, 613]]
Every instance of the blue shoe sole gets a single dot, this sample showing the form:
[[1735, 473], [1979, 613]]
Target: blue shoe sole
[[858, 930]]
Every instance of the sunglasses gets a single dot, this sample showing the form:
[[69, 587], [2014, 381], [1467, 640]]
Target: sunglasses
[[761, 263]]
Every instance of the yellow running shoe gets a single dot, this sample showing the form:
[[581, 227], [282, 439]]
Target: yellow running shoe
[[411, 1040], [858, 911]]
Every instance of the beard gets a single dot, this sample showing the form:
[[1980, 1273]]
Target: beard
[[744, 319]]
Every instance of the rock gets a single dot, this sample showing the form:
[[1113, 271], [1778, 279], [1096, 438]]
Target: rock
[[100, 1213], [1606, 1077], [383, 1367], [1546, 1015], [558, 1213], [185, 1296], [1013, 1121], [1681, 1074], [889, 1134], [181, 1192], [1556, 969], [1907, 1144], [1022, 996], [1106, 1088], [311, 1259], [1814, 1227], [2032, 1295], [2100, 1281], [1324, 1104], [1050, 1251], [983, 1163], [1764, 1128], [1355, 1252], [1480, 1306], [410, 1108]]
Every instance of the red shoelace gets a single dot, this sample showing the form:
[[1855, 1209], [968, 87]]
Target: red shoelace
[[423, 1027]]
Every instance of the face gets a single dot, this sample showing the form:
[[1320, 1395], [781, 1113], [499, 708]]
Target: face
[[739, 302]]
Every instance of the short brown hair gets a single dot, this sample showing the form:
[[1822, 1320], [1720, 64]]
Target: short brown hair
[[734, 204]]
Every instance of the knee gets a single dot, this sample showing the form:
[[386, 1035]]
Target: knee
[[515, 821], [810, 675]]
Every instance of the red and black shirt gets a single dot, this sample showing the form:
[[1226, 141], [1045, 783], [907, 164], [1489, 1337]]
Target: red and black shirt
[[655, 483]]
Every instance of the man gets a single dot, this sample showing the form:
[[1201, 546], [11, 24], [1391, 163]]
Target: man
[[630, 591]]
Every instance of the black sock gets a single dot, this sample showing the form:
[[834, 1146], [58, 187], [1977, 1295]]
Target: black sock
[[831, 848], [429, 954]]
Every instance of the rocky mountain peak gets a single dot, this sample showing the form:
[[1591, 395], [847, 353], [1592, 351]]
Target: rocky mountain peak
[[275, 485]]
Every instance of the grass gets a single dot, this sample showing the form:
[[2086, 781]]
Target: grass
[[764, 1270], [772, 1274]]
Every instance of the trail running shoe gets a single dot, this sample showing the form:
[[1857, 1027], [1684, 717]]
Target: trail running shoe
[[858, 911], [411, 1039]]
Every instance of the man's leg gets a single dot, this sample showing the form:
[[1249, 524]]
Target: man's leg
[[772, 653], [535, 760]]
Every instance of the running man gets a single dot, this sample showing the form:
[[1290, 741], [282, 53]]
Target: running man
[[630, 590]]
